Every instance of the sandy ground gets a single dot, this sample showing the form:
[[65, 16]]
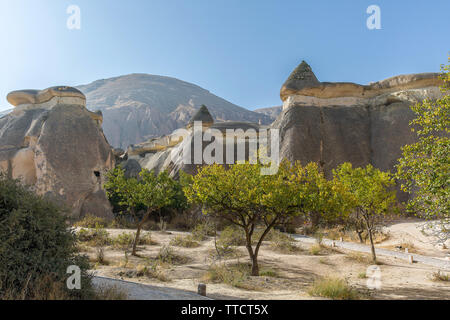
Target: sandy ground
[[295, 272], [415, 232]]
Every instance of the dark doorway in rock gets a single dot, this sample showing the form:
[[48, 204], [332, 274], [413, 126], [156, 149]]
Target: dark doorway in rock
[[97, 174]]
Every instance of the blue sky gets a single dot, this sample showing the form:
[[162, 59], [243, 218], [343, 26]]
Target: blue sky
[[241, 50]]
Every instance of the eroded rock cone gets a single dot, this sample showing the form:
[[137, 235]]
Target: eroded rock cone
[[53, 143]]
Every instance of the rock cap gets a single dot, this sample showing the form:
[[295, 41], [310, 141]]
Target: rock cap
[[202, 115], [20, 97]]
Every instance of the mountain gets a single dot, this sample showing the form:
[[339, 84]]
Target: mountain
[[138, 107], [271, 112], [5, 112]]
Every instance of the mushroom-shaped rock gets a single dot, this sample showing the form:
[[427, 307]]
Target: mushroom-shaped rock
[[202, 115], [26, 97], [51, 142], [302, 82]]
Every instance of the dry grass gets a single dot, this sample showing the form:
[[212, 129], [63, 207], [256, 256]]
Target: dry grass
[[168, 256], [362, 258], [184, 241], [283, 243], [440, 277], [333, 288], [111, 293]]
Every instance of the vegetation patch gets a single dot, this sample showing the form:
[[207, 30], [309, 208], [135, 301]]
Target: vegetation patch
[[168, 256], [333, 288], [184, 241], [440, 277], [91, 221], [94, 237], [203, 231]]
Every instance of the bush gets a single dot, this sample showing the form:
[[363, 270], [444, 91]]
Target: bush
[[167, 255], [126, 239], [282, 242], [315, 249], [35, 256], [185, 242], [97, 237], [231, 236], [202, 231], [234, 275], [439, 276], [333, 288], [90, 221]]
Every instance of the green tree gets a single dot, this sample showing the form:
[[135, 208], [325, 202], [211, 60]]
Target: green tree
[[327, 201], [150, 192], [424, 168], [372, 193], [247, 199]]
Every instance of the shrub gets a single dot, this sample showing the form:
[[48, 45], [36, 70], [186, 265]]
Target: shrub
[[151, 271], [125, 240], [362, 275], [110, 293], [315, 249], [231, 236], [439, 276], [185, 242], [234, 275], [282, 242], [202, 231], [333, 288], [90, 221], [167, 255], [100, 257], [94, 237], [35, 256]]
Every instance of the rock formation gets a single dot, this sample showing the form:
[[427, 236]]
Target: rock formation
[[333, 123], [53, 143], [139, 107], [167, 152]]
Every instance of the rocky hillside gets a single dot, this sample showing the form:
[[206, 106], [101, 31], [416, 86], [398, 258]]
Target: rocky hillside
[[272, 112], [137, 107], [4, 112]]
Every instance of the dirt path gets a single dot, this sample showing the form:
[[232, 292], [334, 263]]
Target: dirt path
[[138, 291], [432, 261]]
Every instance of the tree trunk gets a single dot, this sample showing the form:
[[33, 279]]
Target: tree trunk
[[372, 246], [255, 266], [360, 236], [315, 219], [138, 232]]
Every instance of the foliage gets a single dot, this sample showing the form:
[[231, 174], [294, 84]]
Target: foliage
[[35, 246], [94, 237], [184, 241], [151, 192], [371, 194], [424, 168], [247, 199], [203, 230], [91, 221]]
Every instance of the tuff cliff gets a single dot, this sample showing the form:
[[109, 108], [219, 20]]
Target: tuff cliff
[[334, 123], [51, 142]]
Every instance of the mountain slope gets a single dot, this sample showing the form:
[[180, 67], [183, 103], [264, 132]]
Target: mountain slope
[[5, 112], [272, 112], [137, 107]]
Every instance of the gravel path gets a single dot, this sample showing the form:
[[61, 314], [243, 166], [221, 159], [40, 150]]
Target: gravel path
[[435, 262], [138, 291]]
